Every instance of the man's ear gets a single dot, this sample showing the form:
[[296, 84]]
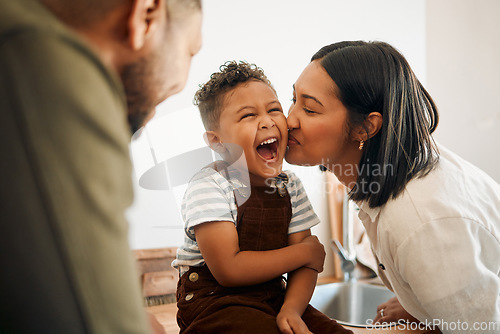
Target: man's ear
[[142, 21], [371, 126], [214, 142]]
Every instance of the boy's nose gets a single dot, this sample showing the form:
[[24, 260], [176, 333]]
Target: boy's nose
[[267, 122]]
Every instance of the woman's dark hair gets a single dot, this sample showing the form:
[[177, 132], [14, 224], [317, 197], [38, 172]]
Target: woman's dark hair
[[375, 77], [209, 98]]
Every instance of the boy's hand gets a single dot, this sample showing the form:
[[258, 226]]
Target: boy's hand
[[317, 253], [290, 322]]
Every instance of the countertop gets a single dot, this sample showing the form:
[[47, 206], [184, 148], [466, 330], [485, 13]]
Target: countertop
[[166, 316]]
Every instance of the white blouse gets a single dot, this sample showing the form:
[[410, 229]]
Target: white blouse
[[438, 246]]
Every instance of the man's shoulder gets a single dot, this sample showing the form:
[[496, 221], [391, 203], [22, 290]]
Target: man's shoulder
[[30, 31]]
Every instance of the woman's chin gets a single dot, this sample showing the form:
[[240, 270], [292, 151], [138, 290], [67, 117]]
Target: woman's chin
[[295, 159]]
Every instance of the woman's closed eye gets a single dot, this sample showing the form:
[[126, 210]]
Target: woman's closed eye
[[308, 111]]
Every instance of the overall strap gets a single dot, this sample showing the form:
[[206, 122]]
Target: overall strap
[[264, 218]]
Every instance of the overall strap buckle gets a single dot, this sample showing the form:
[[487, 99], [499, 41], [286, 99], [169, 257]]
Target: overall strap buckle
[[281, 181]]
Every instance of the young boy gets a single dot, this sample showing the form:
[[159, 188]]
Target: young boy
[[246, 222]]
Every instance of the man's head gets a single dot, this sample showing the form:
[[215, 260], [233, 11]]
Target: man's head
[[243, 115], [149, 43]]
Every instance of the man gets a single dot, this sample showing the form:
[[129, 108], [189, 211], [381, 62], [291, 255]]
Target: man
[[76, 78]]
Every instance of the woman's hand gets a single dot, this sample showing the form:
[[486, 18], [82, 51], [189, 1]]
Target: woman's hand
[[392, 311], [290, 322], [317, 253]]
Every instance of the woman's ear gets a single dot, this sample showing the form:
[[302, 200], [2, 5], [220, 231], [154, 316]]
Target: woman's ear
[[373, 123], [214, 142], [142, 21], [371, 126]]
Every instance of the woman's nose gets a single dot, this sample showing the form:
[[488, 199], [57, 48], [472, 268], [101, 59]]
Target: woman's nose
[[292, 120]]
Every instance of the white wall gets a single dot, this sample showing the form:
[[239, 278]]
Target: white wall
[[463, 65], [280, 36]]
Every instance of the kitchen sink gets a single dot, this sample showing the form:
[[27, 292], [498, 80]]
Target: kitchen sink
[[350, 303]]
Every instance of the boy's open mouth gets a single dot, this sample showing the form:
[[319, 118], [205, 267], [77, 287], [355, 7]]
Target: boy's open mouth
[[268, 149]]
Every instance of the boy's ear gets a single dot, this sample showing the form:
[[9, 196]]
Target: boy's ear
[[371, 126], [142, 21], [213, 140]]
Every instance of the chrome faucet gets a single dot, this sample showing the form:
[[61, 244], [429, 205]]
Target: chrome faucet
[[346, 253], [348, 261]]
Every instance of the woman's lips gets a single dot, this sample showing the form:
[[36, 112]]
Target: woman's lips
[[292, 140]]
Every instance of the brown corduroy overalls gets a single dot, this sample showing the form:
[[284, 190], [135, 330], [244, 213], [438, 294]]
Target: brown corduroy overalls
[[204, 306]]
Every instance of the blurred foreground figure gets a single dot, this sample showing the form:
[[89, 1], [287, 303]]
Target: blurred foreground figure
[[76, 78]]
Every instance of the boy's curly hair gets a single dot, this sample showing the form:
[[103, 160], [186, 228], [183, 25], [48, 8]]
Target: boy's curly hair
[[209, 98]]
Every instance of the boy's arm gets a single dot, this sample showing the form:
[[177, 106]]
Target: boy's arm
[[218, 242], [300, 287]]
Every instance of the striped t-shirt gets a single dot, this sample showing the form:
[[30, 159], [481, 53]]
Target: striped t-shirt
[[210, 197]]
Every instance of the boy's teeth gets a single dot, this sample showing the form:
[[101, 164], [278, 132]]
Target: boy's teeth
[[269, 141]]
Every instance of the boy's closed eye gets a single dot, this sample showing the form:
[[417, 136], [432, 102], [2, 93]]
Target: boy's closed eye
[[253, 114], [247, 115], [275, 110]]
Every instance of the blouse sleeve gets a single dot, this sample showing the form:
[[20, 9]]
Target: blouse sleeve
[[452, 266]]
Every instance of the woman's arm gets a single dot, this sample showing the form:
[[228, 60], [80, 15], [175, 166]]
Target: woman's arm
[[218, 243], [300, 287]]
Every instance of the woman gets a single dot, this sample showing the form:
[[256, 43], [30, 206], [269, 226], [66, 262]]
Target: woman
[[433, 219]]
